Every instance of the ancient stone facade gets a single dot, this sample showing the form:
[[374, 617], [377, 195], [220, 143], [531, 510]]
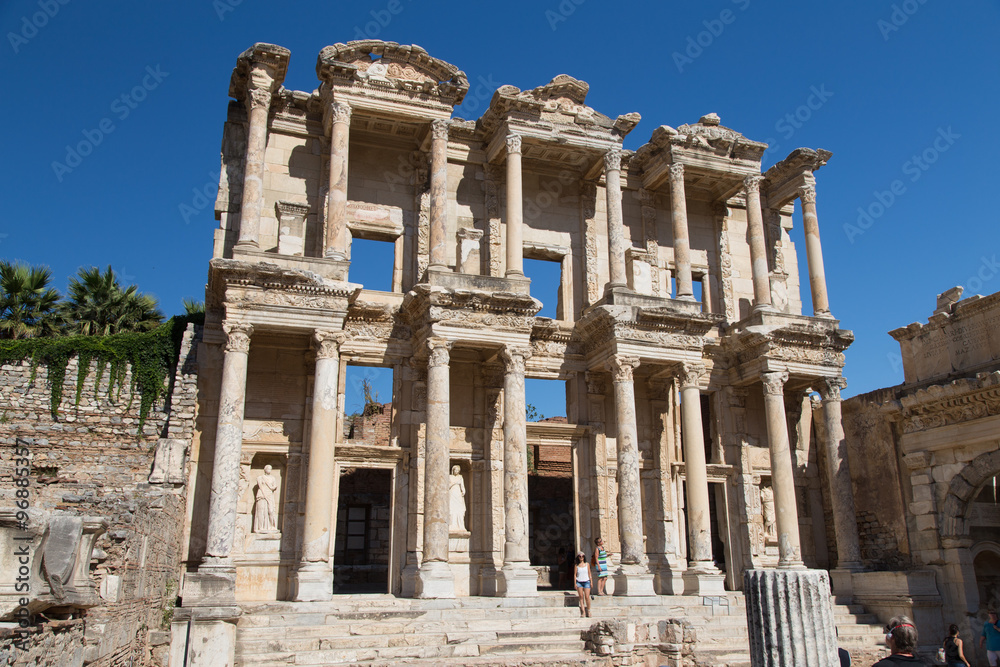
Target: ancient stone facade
[[689, 443], [934, 531]]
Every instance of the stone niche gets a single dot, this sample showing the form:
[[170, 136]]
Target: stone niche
[[262, 571]]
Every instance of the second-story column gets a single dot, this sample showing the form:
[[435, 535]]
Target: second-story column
[[259, 88], [439, 194], [515, 208], [314, 577], [517, 578], [616, 225], [682, 243], [782, 471], [434, 578], [336, 209], [758, 245], [839, 476], [814, 252]]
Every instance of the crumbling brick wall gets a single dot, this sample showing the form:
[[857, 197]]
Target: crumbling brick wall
[[374, 428], [92, 461]]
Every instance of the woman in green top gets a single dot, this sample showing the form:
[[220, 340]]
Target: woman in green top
[[600, 561]]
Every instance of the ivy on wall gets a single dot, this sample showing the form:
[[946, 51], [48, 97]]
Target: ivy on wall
[[151, 355]]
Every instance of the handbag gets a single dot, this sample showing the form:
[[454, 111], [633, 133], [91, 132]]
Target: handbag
[[940, 655]]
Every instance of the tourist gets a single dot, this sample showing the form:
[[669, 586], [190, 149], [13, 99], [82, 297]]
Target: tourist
[[954, 656], [583, 583], [991, 637], [901, 637], [600, 562]]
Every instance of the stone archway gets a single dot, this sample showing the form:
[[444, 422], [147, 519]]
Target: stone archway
[[961, 492]]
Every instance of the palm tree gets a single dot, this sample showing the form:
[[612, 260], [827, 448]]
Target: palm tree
[[98, 306], [27, 303], [193, 307]]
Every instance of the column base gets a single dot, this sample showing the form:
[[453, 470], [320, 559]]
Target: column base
[[435, 580], [314, 582], [333, 254], [634, 581], [517, 580], [824, 314], [764, 307], [408, 581], [686, 297], [704, 579], [247, 244], [213, 585], [670, 581]]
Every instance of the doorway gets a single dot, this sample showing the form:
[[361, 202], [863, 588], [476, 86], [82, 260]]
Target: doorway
[[364, 527]]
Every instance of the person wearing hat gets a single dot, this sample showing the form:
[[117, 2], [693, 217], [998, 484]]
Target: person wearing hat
[[583, 583], [901, 637]]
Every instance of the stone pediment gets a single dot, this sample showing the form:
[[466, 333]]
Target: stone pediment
[[388, 66], [709, 136]]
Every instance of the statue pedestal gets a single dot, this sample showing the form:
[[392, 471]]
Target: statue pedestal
[[458, 542]]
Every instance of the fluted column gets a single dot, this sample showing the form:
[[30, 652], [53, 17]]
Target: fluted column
[[682, 244], [228, 445], [517, 579], [616, 229], [439, 194], [758, 245], [782, 476], [259, 87], [839, 471], [515, 203], [814, 252], [336, 210], [315, 573], [434, 577]]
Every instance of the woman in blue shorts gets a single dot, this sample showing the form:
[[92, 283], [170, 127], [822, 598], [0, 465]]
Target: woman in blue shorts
[[583, 583]]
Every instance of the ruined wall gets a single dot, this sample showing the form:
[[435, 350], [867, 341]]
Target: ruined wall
[[92, 463]]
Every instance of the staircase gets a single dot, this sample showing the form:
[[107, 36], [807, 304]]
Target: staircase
[[547, 630]]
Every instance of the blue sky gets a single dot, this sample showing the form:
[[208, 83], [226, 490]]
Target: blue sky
[[895, 89]]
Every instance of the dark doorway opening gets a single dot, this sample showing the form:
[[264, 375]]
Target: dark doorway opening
[[364, 523], [551, 514]]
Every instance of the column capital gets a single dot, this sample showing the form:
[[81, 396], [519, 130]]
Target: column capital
[[676, 172], [513, 144], [621, 367], [439, 128], [596, 383], [238, 336], [752, 183], [690, 375], [340, 112], [829, 388], [807, 193], [774, 382], [514, 357], [440, 352], [258, 97], [327, 343], [613, 159]]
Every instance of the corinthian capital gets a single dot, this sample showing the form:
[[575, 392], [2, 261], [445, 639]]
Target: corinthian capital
[[774, 382], [829, 388], [439, 129], [676, 173], [440, 352], [513, 143], [514, 357], [259, 97], [238, 337], [621, 367], [752, 183], [613, 160], [327, 343], [340, 112], [808, 194], [690, 374]]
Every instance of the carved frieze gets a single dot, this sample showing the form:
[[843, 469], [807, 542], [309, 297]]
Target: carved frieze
[[588, 199], [494, 242], [954, 403]]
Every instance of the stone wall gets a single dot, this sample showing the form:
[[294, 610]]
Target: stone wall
[[91, 463]]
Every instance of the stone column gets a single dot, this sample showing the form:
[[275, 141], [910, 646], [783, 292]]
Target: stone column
[[682, 246], [633, 577], [814, 252], [259, 87], [439, 194], [315, 573], [758, 245], [782, 476], [228, 444], [434, 579], [790, 618], [616, 229], [516, 579], [839, 471], [515, 216], [336, 209], [702, 576]]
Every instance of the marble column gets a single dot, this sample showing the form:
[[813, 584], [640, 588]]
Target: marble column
[[515, 212], [682, 244], [434, 579], [315, 574], [790, 618], [782, 474], [758, 245], [516, 579], [839, 471], [633, 577], [814, 252], [259, 87], [702, 576], [616, 228], [439, 194], [228, 444], [336, 208]]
